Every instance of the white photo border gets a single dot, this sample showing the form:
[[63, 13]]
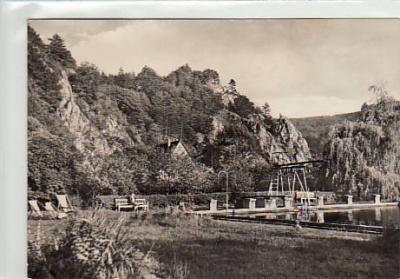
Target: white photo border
[[13, 79]]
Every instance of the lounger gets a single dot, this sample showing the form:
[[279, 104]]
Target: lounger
[[64, 204], [53, 212], [34, 209]]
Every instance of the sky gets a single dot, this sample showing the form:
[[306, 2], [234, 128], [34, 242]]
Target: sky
[[300, 67]]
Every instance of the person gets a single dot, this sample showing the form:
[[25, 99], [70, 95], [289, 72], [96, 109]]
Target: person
[[297, 226], [132, 198]]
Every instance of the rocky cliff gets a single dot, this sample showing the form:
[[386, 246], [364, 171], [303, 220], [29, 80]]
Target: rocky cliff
[[86, 137]]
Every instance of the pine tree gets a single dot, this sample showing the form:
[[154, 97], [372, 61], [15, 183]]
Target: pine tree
[[60, 53], [39, 70], [126, 80]]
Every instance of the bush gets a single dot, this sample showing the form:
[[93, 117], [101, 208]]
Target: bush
[[92, 247]]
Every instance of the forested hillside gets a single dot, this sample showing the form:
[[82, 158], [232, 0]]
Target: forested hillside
[[91, 133], [364, 155], [316, 129]]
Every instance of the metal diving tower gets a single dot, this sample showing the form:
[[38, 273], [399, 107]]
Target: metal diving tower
[[289, 180]]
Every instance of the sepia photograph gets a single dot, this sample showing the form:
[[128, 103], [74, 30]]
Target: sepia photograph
[[213, 148]]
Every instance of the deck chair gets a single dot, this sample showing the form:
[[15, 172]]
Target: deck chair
[[182, 206], [64, 204], [34, 209], [52, 211]]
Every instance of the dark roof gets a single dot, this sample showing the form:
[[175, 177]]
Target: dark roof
[[168, 147], [172, 145]]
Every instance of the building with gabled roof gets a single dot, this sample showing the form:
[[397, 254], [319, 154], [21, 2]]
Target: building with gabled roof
[[176, 149]]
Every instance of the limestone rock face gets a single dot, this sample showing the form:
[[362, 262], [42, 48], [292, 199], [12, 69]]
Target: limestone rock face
[[88, 138], [78, 124], [285, 145], [291, 140], [215, 86], [217, 127], [228, 98]]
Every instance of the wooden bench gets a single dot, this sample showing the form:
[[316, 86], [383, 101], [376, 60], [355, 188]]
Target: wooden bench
[[139, 203], [125, 203], [144, 207], [122, 204]]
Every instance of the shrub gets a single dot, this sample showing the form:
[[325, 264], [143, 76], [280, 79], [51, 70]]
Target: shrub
[[92, 247]]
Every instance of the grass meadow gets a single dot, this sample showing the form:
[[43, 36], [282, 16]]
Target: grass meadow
[[182, 246]]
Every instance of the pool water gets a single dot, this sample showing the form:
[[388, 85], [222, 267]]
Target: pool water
[[378, 216]]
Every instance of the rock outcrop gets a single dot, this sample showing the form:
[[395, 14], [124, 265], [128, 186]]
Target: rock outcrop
[[291, 141], [279, 145], [87, 138]]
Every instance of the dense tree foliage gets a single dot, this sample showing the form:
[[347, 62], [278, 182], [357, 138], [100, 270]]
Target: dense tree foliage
[[86, 82], [316, 129], [243, 107], [50, 168], [37, 64], [364, 156]]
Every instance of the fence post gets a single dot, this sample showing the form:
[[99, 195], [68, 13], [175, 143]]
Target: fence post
[[320, 201], [252, 204], [273, 204], [213, 205], [288, 202], [349, 199]]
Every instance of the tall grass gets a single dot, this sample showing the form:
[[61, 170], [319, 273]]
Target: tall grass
[[93, 246]]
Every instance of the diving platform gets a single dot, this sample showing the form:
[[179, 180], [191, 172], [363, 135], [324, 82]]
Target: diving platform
[[289, 180]]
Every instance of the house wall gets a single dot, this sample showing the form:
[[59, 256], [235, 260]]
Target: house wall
[[180, 152]]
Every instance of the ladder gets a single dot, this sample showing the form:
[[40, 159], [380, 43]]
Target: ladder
[[274, 184]]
